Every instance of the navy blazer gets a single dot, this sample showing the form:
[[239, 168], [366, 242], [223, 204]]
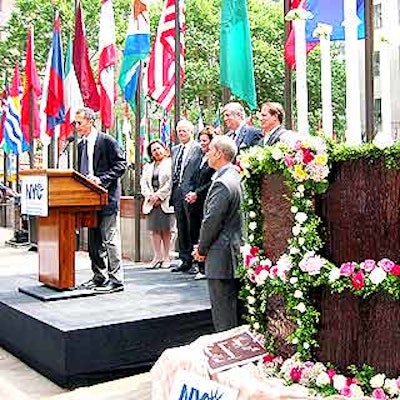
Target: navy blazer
[[201, 181], [248, 136], [109, 165]]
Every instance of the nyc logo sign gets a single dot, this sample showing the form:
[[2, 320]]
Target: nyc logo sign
[[34, 195], [189, 386]]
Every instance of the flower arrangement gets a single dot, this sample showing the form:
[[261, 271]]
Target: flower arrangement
[[326, 381], [304, 163]]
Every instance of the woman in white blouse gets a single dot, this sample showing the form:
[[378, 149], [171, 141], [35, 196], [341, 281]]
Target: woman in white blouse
[[156, 184]]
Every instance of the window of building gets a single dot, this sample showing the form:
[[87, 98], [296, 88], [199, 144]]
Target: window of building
[[377, 63], [378, 113], [377, 16]]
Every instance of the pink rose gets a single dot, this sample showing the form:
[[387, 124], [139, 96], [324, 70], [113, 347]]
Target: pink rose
[[331, 373], [297, 145], [346, 391], [289, 161], [379, 393], [268, 358], [357, 280], [347, 269], [278, 360], [249, 260], [274, 271], [307, 156], [386, 264], [312, 265], [295, 374], [398, 382], [368, 265]]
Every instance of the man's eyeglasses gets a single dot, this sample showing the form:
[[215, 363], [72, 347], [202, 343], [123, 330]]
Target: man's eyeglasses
[[77, 123]]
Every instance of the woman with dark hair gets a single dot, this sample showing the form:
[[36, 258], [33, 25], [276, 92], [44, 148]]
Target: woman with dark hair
[[156, 188], [201, 182]]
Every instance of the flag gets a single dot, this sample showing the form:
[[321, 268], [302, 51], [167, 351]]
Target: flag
[[236, 55], [14, 140], [55, 109], [137, 47], [161, 69], [81, 63], [165, 134], [72, 94], [107, 60], [32, 92], [3, 105], [329, 12]]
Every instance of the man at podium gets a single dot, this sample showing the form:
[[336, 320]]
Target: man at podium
[[101, 160]]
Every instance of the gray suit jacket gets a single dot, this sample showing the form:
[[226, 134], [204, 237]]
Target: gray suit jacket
[[274, 138], [221, 228]]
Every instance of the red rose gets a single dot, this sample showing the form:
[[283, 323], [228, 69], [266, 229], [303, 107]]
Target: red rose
[[395, 270], [307, 156], [357, 280], [295, 374], [254, 250], [268, 358]]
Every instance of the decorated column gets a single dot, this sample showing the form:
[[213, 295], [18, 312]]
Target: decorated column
[[298, 17], [353, 106], [323, 33]]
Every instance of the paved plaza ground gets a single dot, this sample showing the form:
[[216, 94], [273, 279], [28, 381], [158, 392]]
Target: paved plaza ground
[[20, 382]]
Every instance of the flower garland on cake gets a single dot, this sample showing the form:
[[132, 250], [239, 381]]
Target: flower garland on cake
[[304, 163]]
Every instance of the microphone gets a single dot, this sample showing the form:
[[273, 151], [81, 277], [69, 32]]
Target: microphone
[[70, 139]]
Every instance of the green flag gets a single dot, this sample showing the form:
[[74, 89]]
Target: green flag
[[236, 56]]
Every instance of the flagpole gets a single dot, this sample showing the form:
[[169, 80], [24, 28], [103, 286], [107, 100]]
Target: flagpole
[[177, 65], [288, 76], [369, 65], [138, 120]]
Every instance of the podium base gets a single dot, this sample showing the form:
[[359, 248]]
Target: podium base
[[46, 293]]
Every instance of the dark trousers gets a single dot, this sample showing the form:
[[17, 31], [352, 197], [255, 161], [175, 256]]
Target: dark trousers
[[223, 298], [184, 234]]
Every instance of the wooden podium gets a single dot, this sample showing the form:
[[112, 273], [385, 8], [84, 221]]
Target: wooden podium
[[73, 202]]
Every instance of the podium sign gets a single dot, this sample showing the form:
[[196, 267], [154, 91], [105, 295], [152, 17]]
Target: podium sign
[[35, 195]]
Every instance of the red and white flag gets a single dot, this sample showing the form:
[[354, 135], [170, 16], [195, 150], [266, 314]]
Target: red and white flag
[[161, 69], [107, 61]]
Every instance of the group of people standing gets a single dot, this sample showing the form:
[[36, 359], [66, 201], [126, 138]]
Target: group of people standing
[[196, 183]]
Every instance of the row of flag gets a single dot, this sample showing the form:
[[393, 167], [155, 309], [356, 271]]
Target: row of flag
[[70, 83]]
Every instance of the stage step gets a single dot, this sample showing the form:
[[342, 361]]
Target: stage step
[[136, 387]]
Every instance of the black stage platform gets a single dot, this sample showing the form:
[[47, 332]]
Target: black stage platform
[[79, 341]]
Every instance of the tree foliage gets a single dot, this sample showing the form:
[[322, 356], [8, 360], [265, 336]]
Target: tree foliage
[[202, 48]]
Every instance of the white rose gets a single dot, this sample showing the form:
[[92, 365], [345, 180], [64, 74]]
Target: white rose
[[391, 387], [301, 188], [294, 209], [252, 291], [294, 250], [300, 217], [322, 379], [301, 307], [377, 275], [295, 340], [261, 277], [293, 280], [306, 345], [251, 310], [256, 326], [266, 262], [304, 229], [252, 214], [356, 391], [377, 381], [250, 202], [298, 322], [339, 382], [301, 241], [296, 230], [298, 294], [334, 274], [251, 300], [276, 153], [253, 225], [251, 238], [298, 195]]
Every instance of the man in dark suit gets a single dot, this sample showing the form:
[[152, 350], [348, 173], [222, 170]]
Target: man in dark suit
[[102, 161], [220, 233], [271, 118], [186, 157], [243, 134]]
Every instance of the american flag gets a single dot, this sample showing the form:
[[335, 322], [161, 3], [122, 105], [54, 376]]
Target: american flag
[[161, 70]]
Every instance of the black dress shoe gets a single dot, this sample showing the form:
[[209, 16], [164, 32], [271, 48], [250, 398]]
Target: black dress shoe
[[182, 268], [90, 284], [109, 287]]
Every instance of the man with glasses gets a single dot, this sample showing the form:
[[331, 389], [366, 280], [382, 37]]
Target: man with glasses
[[243, 134], [101, 160]]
